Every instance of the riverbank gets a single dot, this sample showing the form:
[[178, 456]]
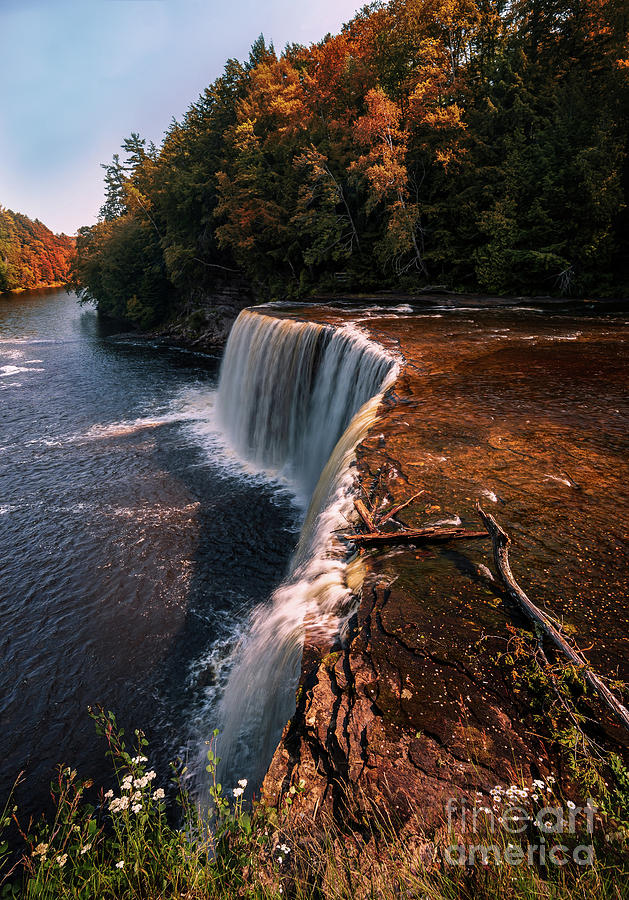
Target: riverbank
[[44, 286]]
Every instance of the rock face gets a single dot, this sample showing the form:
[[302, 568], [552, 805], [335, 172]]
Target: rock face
[[418, 707], [206, 319]]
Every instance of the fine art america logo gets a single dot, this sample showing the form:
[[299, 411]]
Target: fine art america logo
[[522, 826]]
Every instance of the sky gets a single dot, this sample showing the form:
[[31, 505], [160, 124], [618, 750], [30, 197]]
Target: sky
[[78, 76]]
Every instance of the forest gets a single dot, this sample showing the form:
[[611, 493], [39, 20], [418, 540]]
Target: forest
[[476, 145], [31, 255]]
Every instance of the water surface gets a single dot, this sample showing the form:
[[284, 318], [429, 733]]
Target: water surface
[[133, 544]]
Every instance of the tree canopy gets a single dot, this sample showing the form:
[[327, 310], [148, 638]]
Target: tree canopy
[[479, 144], [30, 254]]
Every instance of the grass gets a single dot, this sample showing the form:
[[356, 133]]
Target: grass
[[122, 844]]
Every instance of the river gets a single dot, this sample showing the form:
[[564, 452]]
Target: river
[[134, 545]]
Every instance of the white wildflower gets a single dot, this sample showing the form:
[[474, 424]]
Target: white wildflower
[[40, 849], [237, 792], [137, 760], [243, 783], [151, 775], [136, 807], [570, 805], [539, 783], [62, 859], [85, 848], [109, 795], [119, 804], [120, 865], [158, 794]]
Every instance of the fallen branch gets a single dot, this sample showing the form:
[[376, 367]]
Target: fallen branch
[[501, 542], [412, 535], [397, 509], [365, 515]]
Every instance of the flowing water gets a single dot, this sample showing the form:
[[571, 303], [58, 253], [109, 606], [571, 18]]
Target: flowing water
[[168, 532], [298, 397], [143, 531], [133, 544]]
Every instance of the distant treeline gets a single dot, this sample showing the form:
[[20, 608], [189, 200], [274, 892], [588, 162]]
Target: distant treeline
[[478, 144], [30, 254]]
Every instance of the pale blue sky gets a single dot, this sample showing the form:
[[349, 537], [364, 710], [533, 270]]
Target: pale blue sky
[[78, 76]]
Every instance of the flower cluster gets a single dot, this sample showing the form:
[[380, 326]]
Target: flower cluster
[[119, 804], [516, 797], [144, 780], [238, 791], [132, 788]]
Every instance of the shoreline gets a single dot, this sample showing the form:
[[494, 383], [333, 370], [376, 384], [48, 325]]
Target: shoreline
[[49, 286]]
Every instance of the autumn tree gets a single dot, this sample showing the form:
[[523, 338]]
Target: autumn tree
[[482, 141], [383, 164], [30, 254], [323, 219], [257, 186]]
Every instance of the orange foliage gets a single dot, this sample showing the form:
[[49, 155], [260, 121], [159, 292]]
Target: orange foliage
[[275, 99]]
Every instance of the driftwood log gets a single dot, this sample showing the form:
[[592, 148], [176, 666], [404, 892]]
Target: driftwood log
[[501, 542], [365, 515], [412, 535], [375, 537], [398, 508]]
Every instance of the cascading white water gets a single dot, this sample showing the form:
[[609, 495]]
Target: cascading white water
[[295, 397]]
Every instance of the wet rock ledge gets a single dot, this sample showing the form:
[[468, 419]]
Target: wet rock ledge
[[525, 412]]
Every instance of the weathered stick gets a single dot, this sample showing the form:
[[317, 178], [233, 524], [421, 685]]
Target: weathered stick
[[365, 515], [501, 542], [410, 535], [397, 509]]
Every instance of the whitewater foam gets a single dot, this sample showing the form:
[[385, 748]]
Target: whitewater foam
[[295, 398], [14, 370]]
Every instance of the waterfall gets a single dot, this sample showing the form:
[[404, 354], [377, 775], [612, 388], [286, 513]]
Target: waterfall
[[296, 398]]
